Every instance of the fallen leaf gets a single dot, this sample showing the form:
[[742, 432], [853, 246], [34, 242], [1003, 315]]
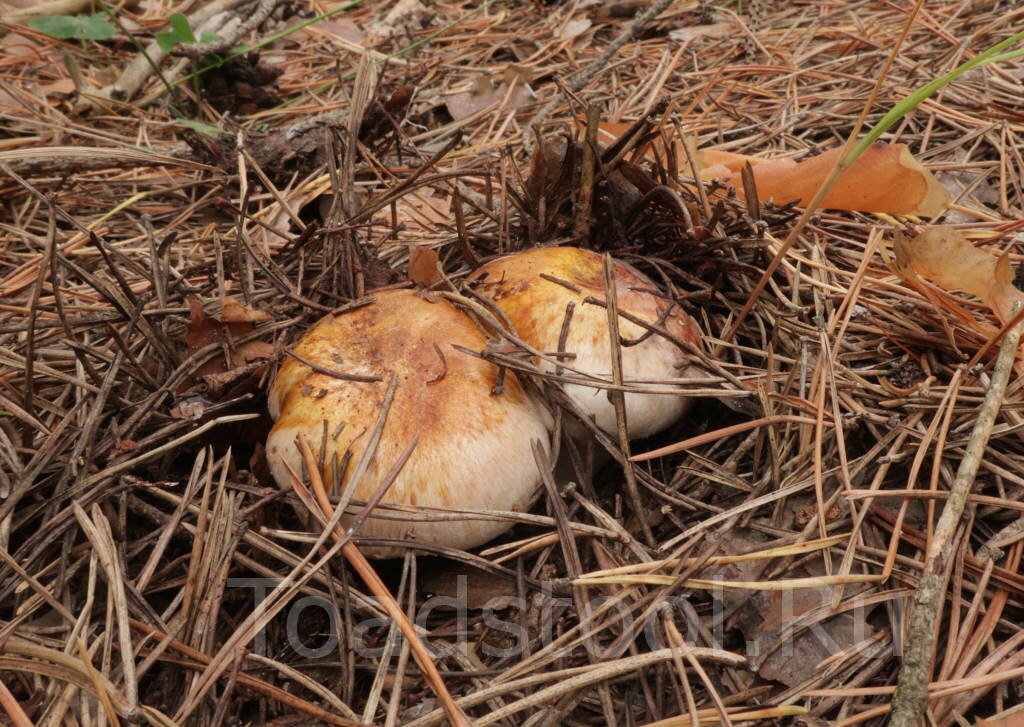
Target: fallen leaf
[[714, 30], [885, 178], [203, 330], [943, 256], [793, 658], [62, 87], [424, 269], [344, 29], [516, 73], [486, 94], [253, 351], [466, 587], [237, 312], [10, 103], [1013, 717], [16, 45], [236, 319], [575, 28]]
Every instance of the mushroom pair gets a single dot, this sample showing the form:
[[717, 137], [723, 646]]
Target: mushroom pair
[[475, 448]]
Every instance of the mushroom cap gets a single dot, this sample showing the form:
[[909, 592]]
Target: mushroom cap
[[536, 307], [474, 450]]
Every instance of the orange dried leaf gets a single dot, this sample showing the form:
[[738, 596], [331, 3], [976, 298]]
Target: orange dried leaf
[[943, 256], [202, 328], [486, 94], [1011, 718], [235, 311], [692, 32], [424, 269], [718, 164], [885, 178], [251, 352], [236, 320]]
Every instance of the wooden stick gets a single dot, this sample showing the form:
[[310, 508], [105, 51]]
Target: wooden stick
[[911, 696]]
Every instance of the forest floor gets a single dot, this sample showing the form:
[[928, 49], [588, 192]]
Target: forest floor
[[165, 235]]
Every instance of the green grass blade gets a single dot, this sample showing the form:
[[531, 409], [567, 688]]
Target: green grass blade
[[912, 101]]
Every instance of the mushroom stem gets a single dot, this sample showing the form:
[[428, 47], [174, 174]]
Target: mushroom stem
[[357, 560]]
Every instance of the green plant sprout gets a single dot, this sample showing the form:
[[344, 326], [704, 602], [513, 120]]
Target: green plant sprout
[[200, 126], [181, 32]]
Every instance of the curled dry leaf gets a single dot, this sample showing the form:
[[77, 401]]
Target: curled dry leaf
[[424, 266], [943, 256], [222, 378], [514, 91], [342, 28], [235, 320], [885, 178], [62, 87], [690, 32], [1013, 717], [575, 28], [237, 312]]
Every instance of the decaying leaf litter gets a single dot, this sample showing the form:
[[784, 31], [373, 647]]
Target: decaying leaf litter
[[153, 275]]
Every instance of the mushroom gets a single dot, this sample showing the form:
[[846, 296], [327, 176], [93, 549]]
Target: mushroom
[[474, 450], [532, 288]]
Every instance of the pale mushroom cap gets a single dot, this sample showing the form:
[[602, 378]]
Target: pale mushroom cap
[[536, 308], [474, 450]]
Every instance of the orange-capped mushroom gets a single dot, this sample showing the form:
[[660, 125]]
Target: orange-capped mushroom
[[474, 450], [532, 288]]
